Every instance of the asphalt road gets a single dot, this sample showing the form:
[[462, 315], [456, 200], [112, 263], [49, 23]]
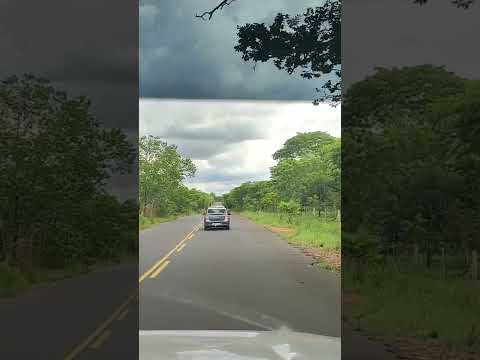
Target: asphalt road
[[93, 316], [246, 278], [242, 279]]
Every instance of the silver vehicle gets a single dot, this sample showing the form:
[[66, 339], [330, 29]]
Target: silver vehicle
[[237, 345], [216, 217]]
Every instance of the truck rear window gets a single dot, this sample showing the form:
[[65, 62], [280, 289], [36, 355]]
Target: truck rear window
[[216, 211]]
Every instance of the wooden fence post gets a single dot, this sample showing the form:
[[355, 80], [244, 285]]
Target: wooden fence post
[[415, 254], [474, 265], [444, 264]]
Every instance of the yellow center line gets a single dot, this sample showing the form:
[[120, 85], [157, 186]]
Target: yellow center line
[[160, 268], [159, 262], [181, 247], [100, 333], [101, 339], [122, 315], [99, 330]]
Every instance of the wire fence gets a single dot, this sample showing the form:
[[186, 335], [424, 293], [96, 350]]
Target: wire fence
[[447, 260], [329, 213]]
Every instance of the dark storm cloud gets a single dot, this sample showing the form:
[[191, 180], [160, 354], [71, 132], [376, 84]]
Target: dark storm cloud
[[85, 47], [184, 57], [391, 33]]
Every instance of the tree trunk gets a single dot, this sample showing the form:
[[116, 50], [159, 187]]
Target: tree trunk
[[474, 265]]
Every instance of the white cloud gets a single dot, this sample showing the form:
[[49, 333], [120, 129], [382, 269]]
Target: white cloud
[[232, 141]]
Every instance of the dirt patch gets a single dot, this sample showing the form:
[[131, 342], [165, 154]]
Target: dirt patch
[[352, 299], [281, 230], [330, 258], [414, 348]]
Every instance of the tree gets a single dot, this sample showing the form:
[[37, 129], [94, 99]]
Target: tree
[[210, 13], [398, 95], [55, 157], [307, 174], [303, 144], [162, 170], [309, 42], [411, 170]]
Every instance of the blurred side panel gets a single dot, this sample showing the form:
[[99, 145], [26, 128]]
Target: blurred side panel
[[68, 179], [410, 190]]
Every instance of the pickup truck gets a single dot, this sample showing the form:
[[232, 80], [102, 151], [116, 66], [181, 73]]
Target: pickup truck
[[216, 217]]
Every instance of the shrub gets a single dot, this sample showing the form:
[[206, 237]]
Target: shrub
[[11, 281]]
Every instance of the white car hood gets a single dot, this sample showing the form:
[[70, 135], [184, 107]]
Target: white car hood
[[237, 345]]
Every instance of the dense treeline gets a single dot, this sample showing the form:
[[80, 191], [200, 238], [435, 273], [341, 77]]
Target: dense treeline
[[55, 158], [411, 164], [162, 172], [411, 205], [307, 175]]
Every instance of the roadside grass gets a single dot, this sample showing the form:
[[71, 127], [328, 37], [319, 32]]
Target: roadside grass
[[309, 232], [146, 222], [400, 300], [13, 282], [44, 275]]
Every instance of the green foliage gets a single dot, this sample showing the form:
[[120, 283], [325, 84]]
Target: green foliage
[[309, 42], [412, 161], [411, 184], [55, 158], [361, 245], [290, 208], [397, 95], [311, 232], [162, 171], [303, 144], [12, 281], [398, 300], [315, 232], [146, 222], [307, 174]]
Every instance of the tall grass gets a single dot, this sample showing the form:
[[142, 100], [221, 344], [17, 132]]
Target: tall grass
[[12, 281], [146, 222], [398, 299], [306, 231]]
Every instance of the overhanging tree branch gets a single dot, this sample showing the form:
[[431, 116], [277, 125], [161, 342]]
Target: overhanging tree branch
[[210, 13]]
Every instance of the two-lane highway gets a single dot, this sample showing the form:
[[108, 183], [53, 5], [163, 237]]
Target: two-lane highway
[[242, 279]]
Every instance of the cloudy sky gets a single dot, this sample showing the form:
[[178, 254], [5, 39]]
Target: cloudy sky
[[68, 43], [232, 141], [185, 57], [399, 33], [87, 48], [197, 93]]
